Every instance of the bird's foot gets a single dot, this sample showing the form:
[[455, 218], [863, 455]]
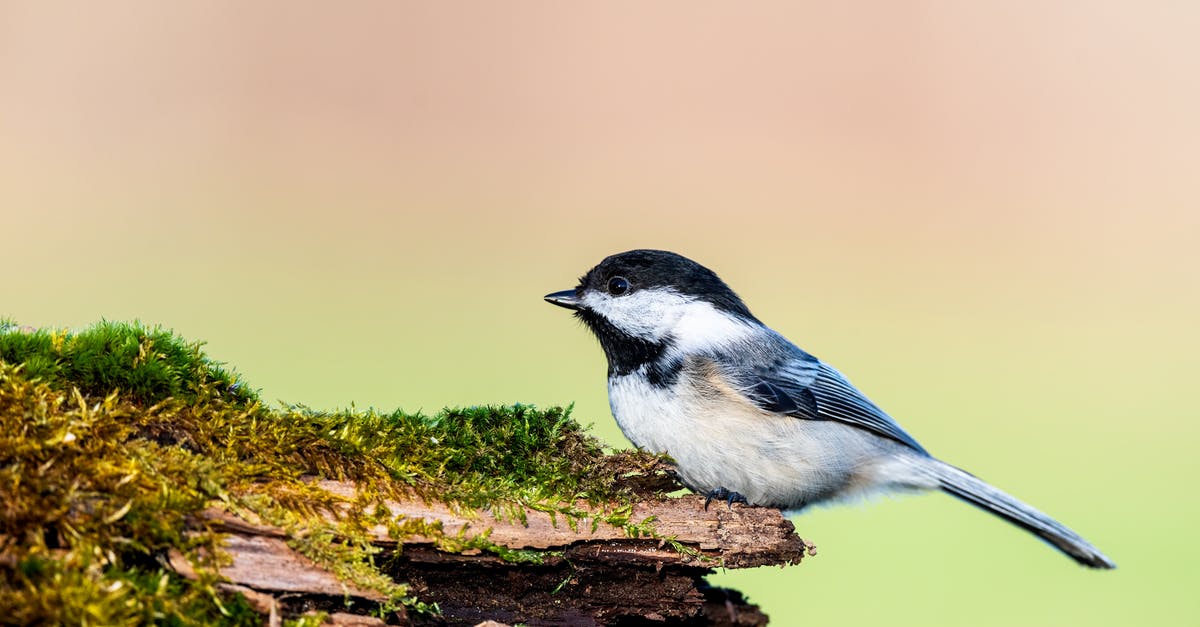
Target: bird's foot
[[728, 496]]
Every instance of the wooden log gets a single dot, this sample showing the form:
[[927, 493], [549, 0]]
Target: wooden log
[[590, 576]]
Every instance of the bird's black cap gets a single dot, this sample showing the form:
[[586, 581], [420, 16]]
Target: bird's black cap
[[650, 269]]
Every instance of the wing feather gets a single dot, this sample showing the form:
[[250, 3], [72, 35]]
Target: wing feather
[[804, 387]]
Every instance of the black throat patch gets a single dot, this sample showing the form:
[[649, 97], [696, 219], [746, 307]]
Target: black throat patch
[[626, 353]]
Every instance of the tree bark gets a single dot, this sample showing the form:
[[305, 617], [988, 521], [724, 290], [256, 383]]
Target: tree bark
[[591, 577]]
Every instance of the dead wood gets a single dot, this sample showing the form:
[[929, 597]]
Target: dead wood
[[586, 575]]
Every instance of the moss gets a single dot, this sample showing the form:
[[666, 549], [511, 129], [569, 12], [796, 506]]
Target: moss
[[112, 439], [147, 364]]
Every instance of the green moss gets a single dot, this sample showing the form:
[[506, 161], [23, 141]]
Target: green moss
[[146, 364], [113, 439]]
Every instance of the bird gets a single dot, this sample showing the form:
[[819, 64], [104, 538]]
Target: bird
[[748, 416]]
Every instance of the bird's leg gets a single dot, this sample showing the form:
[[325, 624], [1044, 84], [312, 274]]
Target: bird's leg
[[729, 496]]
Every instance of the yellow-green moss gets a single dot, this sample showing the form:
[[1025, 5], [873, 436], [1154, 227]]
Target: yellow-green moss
[[147, 364], [113, 438]]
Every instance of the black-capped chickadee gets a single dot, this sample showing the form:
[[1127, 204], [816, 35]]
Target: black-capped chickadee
[[748, 416]]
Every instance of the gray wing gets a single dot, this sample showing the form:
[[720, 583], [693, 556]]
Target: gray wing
[[800, 385]]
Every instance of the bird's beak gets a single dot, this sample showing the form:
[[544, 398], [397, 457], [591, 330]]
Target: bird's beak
[[565, 298]]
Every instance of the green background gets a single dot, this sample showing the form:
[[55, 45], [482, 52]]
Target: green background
[[986, 216]]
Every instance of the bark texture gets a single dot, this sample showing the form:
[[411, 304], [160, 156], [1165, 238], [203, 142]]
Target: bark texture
[[591, 577]]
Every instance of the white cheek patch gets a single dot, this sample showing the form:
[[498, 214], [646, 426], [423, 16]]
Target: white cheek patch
[[655, 314], [702, 326], [645, 314]]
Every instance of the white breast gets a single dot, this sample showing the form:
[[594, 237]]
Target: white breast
[[719, 439]]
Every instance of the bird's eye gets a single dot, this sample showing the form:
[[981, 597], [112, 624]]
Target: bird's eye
[[618, 286]]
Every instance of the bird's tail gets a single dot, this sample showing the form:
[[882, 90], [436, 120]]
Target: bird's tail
[[971, 489]]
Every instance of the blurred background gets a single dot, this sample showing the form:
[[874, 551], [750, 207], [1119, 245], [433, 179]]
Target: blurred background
[[987, 214]]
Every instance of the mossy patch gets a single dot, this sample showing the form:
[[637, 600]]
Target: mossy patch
[[146, 364], [114, 438]]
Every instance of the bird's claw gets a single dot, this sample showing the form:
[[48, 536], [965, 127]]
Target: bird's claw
[[728, 496]]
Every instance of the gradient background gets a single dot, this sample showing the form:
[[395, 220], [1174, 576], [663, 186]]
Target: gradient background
[[986, 213]]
